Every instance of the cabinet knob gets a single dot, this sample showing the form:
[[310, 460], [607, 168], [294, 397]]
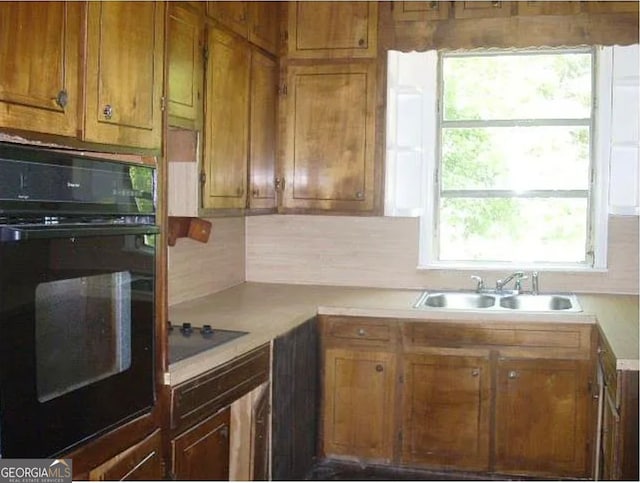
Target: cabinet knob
[[596, 396], [255, 193], [361, 42], [107, 111], [359, 195], [495, 4], [513, 374], [361, 332], [62, 99], [475, 372], [379, 368]]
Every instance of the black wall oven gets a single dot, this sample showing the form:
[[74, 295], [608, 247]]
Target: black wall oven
[[77, 291]]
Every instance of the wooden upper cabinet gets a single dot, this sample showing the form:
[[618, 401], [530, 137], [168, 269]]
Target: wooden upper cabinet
[[185, 54], [447, 409], [359, 403], [264, 24], [262, 145], [39, 63], [548, 8], [233, 15], [480, 9], [433, 10], [332, 29], [328, 144], [141, 462], [542, 422], [124, 72], [226, 136]]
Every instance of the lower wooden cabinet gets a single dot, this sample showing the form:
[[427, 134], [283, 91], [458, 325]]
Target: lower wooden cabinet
[[542, 424], [496, 397], [447, 409], [359, 403], [202, 452], [142, 462]]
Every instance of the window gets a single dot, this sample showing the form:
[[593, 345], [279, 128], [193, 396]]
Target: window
[[508, 144]]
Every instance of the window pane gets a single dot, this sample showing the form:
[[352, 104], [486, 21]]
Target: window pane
[[519, 86], [518, 230], [515, 158]]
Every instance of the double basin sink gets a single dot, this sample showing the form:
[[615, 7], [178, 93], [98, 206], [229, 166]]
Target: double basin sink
[[461, 300]]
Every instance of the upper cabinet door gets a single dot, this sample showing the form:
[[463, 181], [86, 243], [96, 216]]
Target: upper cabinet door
[[329, 138], [186, 67], [124, 68], [264, 25], [233, 15], [479, 9], [332, 29], [39, 55], [226, 133], [262, 156], [421, 10]]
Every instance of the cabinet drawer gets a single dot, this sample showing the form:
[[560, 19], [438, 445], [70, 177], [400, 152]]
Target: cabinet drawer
[[194, 400], [359, 331], [572, 339]]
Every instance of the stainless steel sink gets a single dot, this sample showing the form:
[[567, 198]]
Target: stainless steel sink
[[541, 302], [461, 300]]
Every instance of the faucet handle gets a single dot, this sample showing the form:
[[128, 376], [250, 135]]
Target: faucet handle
[[518, 283], [479, 281]]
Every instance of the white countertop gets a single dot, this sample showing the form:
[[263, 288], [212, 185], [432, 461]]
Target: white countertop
[[269, 310]]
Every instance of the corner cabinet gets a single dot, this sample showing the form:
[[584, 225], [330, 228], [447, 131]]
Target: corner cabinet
[[39, 64], [329, 137], [124, 73]]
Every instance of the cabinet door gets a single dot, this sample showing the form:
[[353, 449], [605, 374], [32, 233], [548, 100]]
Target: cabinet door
[[233, 15], [329, 137], [124, 73], [142, 462], [202, 452], [226, 139], [262, 144], [421, 10], [185, 66], [39, 59], [332, 29], [446, 409], [359, 392], [610, 449], [541, 417], [548, 8], [479, 9], [264, 20], [260, 437]]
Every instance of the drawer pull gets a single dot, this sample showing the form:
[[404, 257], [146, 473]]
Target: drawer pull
[[379, 368], [362, 332], [513, 375], [475, 372]]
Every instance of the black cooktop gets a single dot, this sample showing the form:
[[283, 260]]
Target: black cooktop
[[186, 340]]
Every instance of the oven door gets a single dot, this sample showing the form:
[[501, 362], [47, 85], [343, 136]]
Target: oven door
[[76, 335]]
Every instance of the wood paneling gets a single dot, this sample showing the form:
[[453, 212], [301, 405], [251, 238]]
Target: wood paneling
[[383, 252], [39, 65], [264, 29], [295, 398]]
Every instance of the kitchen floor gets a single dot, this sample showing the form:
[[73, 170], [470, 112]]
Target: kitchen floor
[[332, 470]]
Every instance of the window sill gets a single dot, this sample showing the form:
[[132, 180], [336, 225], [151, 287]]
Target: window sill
[[466, 267]]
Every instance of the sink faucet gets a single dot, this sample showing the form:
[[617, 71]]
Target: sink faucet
[[517, 276], [479, 282], [535, 283]]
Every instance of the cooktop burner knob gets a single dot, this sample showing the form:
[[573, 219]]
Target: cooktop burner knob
[[206, 330], [186, 329]]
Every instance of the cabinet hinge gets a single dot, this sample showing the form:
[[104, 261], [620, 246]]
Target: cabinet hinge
[[163, 103], [401, 378], [283, 90], [203, 177], [205, 53], [284, 36], [400, 436]]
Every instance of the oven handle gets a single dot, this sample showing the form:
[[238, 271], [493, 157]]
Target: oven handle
[[39, 232]]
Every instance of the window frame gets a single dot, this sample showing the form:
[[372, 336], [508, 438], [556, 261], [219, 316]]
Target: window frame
[[596, 194]]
